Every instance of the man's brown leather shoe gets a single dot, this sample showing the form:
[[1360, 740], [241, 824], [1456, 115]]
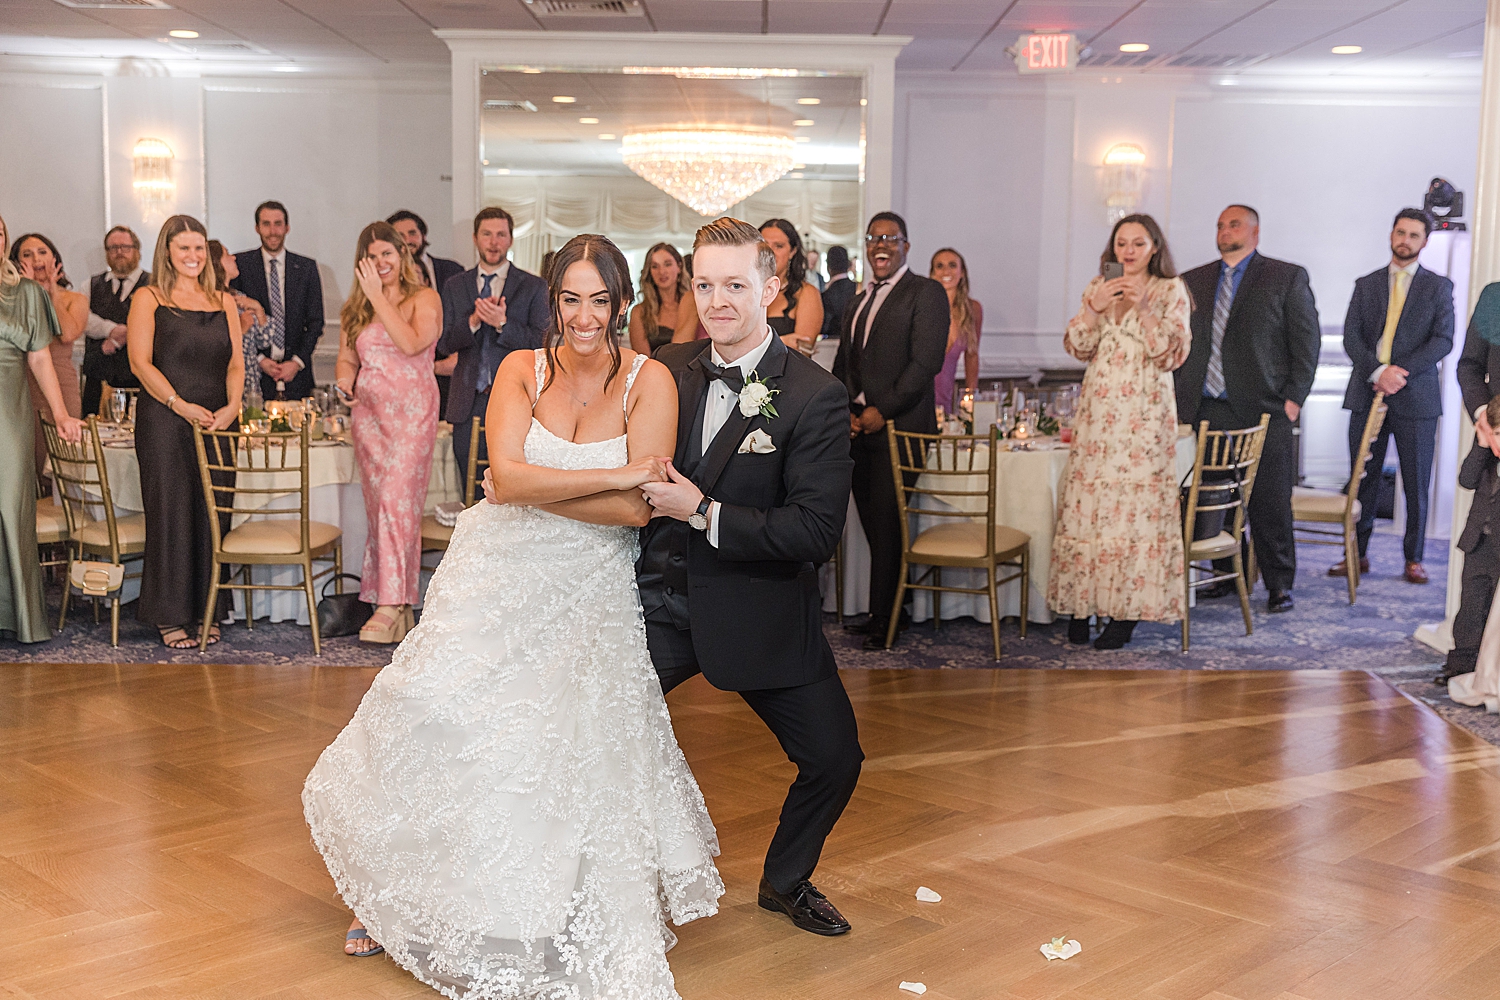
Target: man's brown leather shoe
[[1341, 568], [1415, 573]]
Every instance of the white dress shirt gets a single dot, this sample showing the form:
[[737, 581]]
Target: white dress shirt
[[497, 287], [881, 294], [719, 406], [1390, 291], [97, 327]]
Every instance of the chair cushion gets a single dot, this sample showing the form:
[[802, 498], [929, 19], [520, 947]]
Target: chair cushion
[[964, 540], [1319, 505], [1222, 544], [51, 523], [281, 536], [131, 531], [435, 535]]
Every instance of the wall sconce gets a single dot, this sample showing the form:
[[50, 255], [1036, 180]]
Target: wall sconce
[[152, 175], [1124, 180]]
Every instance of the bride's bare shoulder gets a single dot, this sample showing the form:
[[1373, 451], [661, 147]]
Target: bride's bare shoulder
[[654, 383]]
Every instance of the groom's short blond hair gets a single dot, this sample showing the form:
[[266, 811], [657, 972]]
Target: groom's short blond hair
[[727, 232]]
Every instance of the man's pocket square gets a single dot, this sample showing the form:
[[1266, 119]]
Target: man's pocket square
[[757, 442]]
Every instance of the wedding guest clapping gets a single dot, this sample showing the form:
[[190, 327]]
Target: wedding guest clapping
[[1118, 547], [388, 330], [796, 314], [966, 320]]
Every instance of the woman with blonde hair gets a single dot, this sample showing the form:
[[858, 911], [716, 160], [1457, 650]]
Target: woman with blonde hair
[[28, 324], [388, 332], [36, 257], [966, 320], [183, 339], [664, 289]]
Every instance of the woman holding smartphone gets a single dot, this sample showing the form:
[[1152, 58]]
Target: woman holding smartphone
[[1117, 552]]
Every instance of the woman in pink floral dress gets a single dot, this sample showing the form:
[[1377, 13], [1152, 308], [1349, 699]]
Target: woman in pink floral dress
[[389, 328], [1118, 547]]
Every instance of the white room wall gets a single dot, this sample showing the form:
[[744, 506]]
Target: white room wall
[[1006, 169]]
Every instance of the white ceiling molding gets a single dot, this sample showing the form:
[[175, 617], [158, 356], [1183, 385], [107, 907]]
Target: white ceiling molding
[[872, 57]]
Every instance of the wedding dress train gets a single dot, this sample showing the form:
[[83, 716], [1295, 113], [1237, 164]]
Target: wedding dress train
[[508, 811]]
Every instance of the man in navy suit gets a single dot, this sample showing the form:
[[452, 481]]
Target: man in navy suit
[[436, 271], [1399, 326], [488, 311], [288, 287]]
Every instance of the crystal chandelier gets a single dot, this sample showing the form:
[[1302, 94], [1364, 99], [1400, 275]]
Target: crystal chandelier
[[709, 169]]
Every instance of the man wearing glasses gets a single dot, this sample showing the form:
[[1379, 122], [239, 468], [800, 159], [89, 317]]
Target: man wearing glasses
[[104, 358], [891, 342]]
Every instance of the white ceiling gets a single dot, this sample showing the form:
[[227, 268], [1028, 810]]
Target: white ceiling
[[1435, 38]]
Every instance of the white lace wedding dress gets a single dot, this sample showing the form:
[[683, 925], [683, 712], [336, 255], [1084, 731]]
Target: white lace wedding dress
[[508, 811]]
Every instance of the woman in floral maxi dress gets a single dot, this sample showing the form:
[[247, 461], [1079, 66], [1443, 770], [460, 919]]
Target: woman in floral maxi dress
[[1117, 552]]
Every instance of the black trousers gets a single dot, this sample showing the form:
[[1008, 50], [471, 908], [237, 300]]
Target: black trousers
[[461, 442], [1481, 572], [1270, 511], [875, 498], [93, 392], [1416, 442], [814, 723]]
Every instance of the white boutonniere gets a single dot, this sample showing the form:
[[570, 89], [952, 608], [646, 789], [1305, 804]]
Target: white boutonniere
[[755, 397]]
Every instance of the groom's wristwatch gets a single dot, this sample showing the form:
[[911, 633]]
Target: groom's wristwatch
[[698, 519]]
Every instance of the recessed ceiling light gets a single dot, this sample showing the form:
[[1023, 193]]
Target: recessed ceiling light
[[809, 100], [863, 102], [564, 100], [606, 135], [1135, 47], [588, 121], [804, 138], [802, 122], [183, 33], [1346, 50], [286, 69], [531, 70]]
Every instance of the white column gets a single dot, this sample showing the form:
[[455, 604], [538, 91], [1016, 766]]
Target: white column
[[1484, 216]]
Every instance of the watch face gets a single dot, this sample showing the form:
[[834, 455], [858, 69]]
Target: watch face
[[697, 522]]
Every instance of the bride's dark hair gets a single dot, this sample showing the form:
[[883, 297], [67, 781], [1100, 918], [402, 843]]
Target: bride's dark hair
[[613, 270]]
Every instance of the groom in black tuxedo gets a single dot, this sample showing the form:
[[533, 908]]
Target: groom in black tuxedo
[[758, 492]]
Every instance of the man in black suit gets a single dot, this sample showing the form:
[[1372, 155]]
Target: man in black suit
[[288, 287], [104, 358], [758, 491], [488, 311], [1399, 326], [1255, 349], [892, 339], [436, 271], [839, 291]]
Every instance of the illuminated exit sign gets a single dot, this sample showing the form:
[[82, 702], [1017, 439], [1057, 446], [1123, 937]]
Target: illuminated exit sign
[[1056, 52]]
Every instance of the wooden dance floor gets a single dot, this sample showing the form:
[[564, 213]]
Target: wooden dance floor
[[1226, 836]]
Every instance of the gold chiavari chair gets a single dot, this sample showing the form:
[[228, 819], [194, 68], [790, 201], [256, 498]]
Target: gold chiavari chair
[[435, 534], [1332, 507]]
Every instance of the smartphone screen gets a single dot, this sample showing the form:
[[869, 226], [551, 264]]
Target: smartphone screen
[[1113, 269]]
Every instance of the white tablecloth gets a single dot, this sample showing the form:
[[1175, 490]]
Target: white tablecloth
[[1026, 492], [334, 497]]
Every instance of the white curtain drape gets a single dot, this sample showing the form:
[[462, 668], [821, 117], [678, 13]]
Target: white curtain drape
[[549, 210]]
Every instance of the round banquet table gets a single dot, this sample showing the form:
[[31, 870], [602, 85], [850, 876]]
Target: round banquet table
[[1026, 494], [334, 497]]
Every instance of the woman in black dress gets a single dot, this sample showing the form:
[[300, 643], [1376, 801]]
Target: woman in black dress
[[796, 314], [184, 343], [666, 301]]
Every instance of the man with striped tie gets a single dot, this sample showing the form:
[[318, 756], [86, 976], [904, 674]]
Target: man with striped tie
[[1255, 349], [1399, 326], [288, 287]]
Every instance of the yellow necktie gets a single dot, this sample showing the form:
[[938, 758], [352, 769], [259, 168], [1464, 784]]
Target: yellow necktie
[[1393, 316]]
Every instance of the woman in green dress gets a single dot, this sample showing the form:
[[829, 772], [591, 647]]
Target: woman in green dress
[[27, 326]]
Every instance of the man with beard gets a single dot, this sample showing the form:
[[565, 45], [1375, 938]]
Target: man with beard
[[1255, 349], [1400, 325]]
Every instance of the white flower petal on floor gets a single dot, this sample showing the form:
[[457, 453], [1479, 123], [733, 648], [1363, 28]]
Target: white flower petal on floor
[[926, 895], [1060, 948], [917, 988]]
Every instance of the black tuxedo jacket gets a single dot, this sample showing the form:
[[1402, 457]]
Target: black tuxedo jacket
[[1479, 365], [1424, 336], [442, 270], [896, 365], [1270, 346], [835, 300], [753, 603], [304, 313], [1479, 474], [112, 368], [526, 322]]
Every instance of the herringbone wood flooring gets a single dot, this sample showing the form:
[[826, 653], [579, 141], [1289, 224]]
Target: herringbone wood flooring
[[1228, 836]]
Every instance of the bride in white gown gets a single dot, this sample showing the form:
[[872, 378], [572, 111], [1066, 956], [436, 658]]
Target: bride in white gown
[[508, 812]]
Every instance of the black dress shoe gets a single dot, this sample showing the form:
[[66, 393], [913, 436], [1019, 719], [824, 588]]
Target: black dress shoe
[[808, 908], [1115, 635], [876, 626], [1281, 600], [1078, 631], [1221, 589]]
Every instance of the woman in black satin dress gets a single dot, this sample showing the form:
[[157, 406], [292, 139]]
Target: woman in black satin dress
[[184, 344], [796, 314]]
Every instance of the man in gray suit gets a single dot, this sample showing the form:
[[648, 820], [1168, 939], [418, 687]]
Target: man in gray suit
[[1399, 326]]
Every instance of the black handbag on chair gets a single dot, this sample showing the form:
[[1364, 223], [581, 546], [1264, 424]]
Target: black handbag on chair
[[1207, 523], [341, 614]]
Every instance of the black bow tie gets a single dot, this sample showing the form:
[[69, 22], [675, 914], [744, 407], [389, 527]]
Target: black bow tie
[[731, 376]]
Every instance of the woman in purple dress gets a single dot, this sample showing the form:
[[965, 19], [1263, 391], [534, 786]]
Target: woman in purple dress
[[967, 319]]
